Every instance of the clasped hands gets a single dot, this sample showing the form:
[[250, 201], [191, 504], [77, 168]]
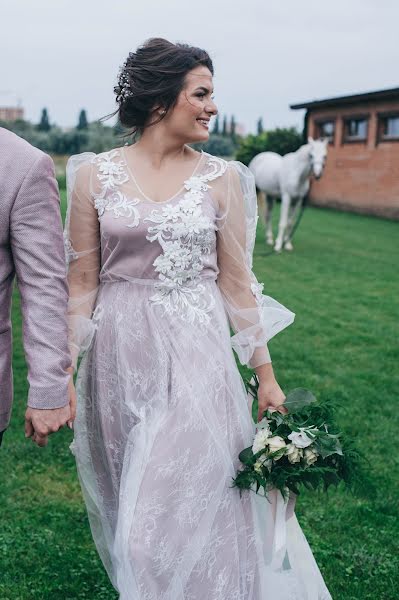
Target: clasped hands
[[40, 423]]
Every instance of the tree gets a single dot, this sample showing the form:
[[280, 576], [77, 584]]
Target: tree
[[278, 140], [82, 124], [224, 128], [215, 129], [44, 124], [284, 141], [259, 126], [233, 128], [217, 145]]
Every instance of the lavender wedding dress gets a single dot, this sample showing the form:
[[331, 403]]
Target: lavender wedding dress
[[162, 410]]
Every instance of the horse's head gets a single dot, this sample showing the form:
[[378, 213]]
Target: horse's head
[[317, 155]]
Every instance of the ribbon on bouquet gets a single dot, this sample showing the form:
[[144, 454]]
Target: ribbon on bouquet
[[284, 510]]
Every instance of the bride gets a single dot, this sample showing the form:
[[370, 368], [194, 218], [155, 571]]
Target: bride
[[159, 242]]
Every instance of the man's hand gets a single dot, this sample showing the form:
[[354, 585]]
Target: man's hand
[[40, 423]]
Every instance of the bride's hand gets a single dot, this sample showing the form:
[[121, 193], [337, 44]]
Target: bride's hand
[[270, 395]]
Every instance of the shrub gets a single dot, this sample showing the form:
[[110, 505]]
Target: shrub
[[95, 138], [277, 140], [217, 145]]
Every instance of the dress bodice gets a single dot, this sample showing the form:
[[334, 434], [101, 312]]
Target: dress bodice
[[206, 231], [172, 241]]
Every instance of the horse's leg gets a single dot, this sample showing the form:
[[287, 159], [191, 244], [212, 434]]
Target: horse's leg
[[291, 213], [294, 213], [269, 202], [288, 245], [282, 226]]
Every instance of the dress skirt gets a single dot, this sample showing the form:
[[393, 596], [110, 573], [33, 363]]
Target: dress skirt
[[162, 416]]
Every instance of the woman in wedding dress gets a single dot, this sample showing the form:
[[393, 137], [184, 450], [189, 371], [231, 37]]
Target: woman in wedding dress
[[159, 240]]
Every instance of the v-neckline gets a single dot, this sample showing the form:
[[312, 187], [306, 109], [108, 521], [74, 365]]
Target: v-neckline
[[180, 190]]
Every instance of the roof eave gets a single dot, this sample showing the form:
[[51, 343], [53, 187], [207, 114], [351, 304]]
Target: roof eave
[[392, 93]]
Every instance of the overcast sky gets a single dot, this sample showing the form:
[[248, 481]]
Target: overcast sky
[[65, 54]]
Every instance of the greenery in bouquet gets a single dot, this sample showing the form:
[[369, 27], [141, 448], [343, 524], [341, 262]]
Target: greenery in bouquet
[[301, 448]]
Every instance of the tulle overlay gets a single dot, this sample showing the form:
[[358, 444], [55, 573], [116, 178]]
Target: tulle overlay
[[162, 409]]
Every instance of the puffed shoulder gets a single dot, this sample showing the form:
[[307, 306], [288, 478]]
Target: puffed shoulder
[[77, 160], [238, 169], [78, 170], [242, 183]]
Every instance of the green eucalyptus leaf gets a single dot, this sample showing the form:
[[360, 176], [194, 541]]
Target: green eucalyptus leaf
[[246, 456], [298, 399], [328, 445]]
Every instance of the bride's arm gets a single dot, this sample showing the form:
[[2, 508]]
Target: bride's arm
[[82, 237], [254, 318]]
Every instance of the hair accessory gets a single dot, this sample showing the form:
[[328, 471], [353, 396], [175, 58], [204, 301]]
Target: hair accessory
[[123, 89]]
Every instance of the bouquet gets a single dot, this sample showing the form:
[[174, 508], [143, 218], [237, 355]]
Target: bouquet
[[302, 448]]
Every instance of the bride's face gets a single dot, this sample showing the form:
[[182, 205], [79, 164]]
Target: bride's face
[[190, 117]]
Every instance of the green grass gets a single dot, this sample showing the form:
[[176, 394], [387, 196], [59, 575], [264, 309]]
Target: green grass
[[341, 280]]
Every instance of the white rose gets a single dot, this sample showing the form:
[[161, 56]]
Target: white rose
[[300, 438], [311, 456], [294, 454], [276, 443], [260, 440]]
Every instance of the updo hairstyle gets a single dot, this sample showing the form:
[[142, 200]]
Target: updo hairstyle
[[153, 77]]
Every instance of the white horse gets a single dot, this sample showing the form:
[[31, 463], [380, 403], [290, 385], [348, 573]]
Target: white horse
[[287, 177]]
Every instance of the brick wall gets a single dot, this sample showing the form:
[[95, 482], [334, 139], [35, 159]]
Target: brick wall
[[359, 176]]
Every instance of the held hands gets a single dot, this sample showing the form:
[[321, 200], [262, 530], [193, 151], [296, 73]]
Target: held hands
[[270, 394], [40, 423]]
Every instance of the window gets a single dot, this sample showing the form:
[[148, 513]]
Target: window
[[355, 129], [391, 127], [388, 127], [326, 129]]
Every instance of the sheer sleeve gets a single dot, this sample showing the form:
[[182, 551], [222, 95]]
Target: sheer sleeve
[[254, 317], [82, 243]]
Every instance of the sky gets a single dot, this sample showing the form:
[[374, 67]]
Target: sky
[[65, 54]]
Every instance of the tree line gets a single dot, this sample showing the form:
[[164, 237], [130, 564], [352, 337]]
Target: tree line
[[97, 137]]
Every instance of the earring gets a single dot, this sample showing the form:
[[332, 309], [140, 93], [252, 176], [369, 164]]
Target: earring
[[162, 112]]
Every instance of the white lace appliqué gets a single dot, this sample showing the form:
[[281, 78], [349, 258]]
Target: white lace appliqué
[[257, 290], [111, 174], [185, 235]]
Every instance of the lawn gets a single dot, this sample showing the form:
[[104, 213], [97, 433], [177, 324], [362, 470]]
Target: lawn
[[342, 283]]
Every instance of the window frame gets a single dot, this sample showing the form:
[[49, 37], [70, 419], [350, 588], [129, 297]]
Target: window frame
[[381, 116], [320, 121], [347, 139]]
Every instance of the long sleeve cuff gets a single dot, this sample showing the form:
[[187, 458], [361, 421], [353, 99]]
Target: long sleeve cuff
[[49, 397]]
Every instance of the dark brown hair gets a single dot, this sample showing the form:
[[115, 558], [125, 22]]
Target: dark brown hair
[[154, 76]]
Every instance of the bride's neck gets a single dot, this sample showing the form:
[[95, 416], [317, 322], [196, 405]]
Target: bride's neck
[[158, 147]]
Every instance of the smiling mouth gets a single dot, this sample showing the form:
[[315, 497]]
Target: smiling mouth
[[204, 123]]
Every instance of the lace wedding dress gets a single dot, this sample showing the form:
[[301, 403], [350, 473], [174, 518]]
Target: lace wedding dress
[[162, 410]]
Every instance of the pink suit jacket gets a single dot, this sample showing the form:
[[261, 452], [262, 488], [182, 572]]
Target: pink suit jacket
[[31, 247]]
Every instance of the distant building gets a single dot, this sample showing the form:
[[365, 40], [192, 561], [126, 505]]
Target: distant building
[[11, 113], [362, 168]]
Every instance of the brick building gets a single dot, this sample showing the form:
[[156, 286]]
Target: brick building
[[11, 113], [362, 168]]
